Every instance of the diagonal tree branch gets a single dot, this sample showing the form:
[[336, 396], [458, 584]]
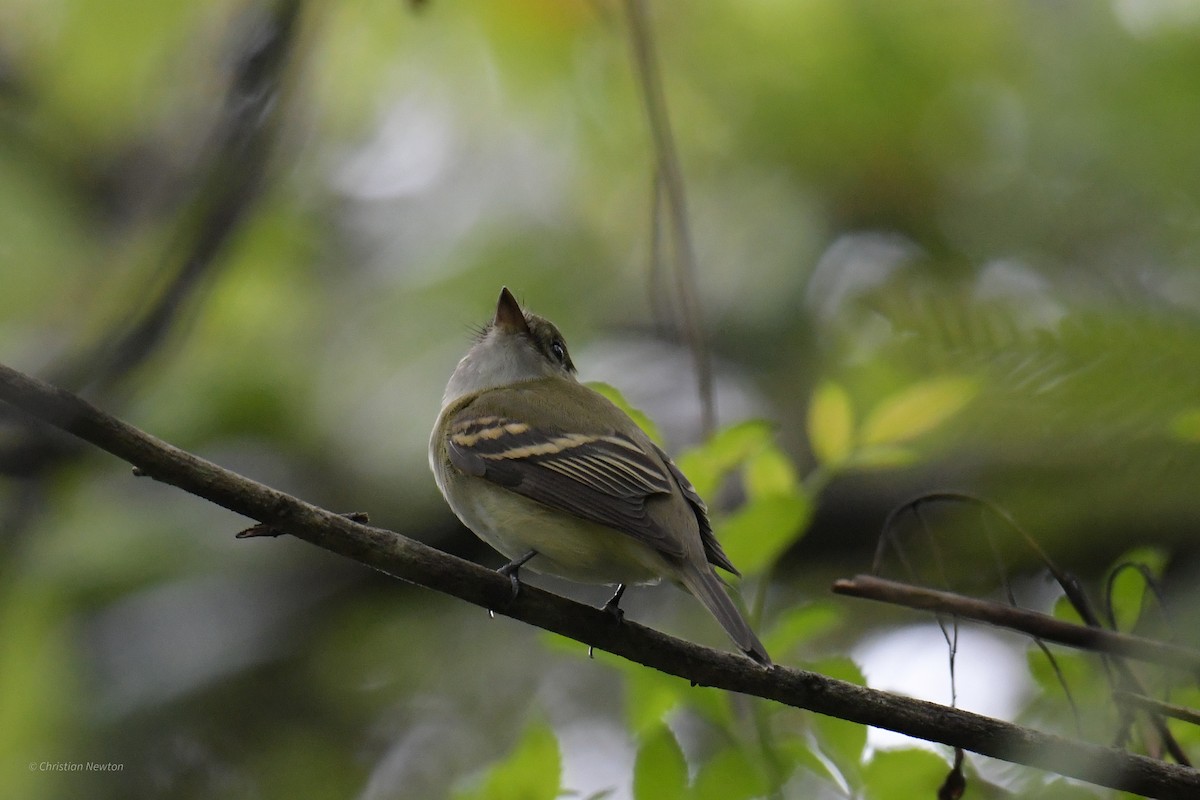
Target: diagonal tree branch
[[420, 564]]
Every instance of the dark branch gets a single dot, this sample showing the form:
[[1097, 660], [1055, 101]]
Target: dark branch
[[416, 563], [1033, 623]]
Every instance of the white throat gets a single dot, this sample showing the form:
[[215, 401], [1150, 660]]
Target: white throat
[[499, 359]]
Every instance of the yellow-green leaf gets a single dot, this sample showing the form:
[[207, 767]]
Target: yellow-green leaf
[[840, 667], [800, 756], [1129, 588], [649, 697], [761, 530], [731, 446], [882, 456], [917, 409], [532, 772], [1064, 610], [729, 775], [1153, 558], [798, 625], [843, 742], [701, 470], [904, 773], [708, 463], [831, 424], [660, 770], [770, 473]]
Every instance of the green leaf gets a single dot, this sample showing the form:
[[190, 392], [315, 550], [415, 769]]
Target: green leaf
[[649, 696], [35, 665], [770, 473], [799, 755], [882, 456], [1065, 611], [708, 463], [917, 409], [759, 532], [701, 470], [831, 424], [1129, 587], [644, 422], [797, 625], [1154, 558], [660, 770], [901, 774], [729, 775], [733, 445], [844, 669], [1187, 734], [1186, 425], [1128, 590], [533, 771], [711, 704], [1076, 670], [841, 741], [565, 645]]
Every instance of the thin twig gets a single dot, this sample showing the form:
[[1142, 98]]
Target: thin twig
[[1124, 677], [1158, 706], [420, 564], [1033, 623], [671, 175], [1051, 659], [951, 641]]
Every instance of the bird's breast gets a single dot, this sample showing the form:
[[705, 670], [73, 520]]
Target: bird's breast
[[567, 546]]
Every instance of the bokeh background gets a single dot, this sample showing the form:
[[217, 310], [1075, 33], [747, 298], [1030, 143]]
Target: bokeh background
[[940, 245]]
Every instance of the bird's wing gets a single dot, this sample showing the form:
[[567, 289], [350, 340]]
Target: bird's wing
[[602, 477], [712, 548]]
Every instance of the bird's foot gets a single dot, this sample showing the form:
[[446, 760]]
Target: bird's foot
[[512, 569]]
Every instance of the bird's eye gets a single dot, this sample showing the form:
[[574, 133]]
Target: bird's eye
[[559, 351]]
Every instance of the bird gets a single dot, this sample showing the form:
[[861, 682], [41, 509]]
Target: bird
[[561, 481]]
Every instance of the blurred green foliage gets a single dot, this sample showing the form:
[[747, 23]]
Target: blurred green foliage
[[941, 245], [532, 772]]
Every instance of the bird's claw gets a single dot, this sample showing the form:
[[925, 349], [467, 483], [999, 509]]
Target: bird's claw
[[511, 570]]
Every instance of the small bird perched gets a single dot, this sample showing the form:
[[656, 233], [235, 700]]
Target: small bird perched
[[557, 478]]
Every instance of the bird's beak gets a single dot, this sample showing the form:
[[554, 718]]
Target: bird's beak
[[509, 316]]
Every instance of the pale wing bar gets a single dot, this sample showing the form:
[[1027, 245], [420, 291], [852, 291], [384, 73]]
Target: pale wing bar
[[604, 478]]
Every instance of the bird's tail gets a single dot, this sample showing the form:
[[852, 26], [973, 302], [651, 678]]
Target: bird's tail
[[709, 590]]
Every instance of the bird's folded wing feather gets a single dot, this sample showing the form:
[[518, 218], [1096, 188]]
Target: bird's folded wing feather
[[605, 478], [712, 548]]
